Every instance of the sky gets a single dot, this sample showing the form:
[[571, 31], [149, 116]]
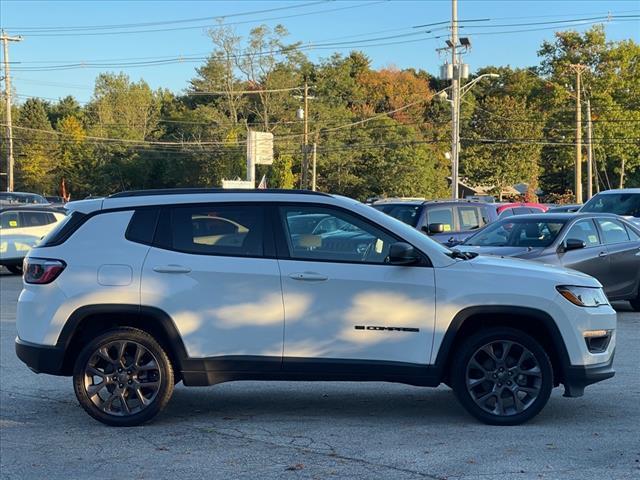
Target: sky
[[93, 32]]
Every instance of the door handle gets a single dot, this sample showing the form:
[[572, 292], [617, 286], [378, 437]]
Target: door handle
[[171, 269], [308, 277], [603, 254]]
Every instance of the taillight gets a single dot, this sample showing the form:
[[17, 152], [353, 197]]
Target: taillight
[[42, 270]]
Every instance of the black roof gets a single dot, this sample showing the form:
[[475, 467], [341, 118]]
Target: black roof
[[191, 191]]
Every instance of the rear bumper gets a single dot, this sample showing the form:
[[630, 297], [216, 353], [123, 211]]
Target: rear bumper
[[40, 358], [577, 378]]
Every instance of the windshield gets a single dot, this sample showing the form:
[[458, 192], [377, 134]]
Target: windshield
[[406, 213], [625, 204], [514, 232]]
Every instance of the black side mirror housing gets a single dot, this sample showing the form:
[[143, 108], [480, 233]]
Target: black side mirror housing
[[401, 253], [573, 244], [435, 228]]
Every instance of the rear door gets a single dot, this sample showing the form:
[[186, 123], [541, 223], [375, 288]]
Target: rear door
[[622, 252], [342, 301], [212, 269]]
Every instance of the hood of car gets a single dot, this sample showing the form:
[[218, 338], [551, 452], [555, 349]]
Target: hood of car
[[524, 270], [519, 252]]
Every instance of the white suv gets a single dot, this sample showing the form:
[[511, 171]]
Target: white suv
[[137, 291]]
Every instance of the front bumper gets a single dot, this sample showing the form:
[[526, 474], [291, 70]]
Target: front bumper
[[577, 378], [41, 358]]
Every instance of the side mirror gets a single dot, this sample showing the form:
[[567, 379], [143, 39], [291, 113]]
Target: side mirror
[[436, 228], [573, 244], [401, 253]]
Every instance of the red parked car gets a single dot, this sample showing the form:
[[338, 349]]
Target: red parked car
[[520, 208]]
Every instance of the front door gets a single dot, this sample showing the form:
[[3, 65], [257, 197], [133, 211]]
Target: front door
[[342, 301], [211, 274], [593, 259]]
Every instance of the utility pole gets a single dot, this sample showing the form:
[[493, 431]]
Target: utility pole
[[455, 100], [313, 168], [305, 147], [589, 153], [578, 69], [7, 85]]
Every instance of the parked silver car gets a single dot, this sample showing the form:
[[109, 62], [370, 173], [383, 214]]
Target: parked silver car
[[604, 246]]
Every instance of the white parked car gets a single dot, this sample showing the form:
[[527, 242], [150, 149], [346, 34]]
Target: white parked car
[[137, 291], [21, 228], [623, 201]]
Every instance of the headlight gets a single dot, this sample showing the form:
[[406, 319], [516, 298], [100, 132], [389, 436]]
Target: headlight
[[583, 296]]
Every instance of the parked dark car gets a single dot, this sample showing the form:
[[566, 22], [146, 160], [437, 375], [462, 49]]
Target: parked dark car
[[604, 246], [448, 222], [624, 202]]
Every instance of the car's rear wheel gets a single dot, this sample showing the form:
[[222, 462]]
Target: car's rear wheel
[[123, 377], [15, 269], [635, 304], [502, 376]]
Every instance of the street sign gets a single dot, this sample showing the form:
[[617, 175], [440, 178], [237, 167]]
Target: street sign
[[245, 184], [259, 148]]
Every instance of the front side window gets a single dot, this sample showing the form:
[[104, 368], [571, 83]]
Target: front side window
[[613, 231], [217, 230], [338, 236], [586, 231], [441, 215], [9, 220]]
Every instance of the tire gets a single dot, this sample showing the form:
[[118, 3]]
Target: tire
[[495, 396], [15, 269], [129, 392], [635, 304]]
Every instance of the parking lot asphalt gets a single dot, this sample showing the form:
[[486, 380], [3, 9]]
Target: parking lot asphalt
[[287, 430]]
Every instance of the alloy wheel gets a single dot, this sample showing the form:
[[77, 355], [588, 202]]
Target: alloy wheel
[[122, 378], [503, 378]]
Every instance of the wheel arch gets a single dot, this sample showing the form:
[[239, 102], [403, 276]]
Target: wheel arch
[[537, 323], [89, 321]]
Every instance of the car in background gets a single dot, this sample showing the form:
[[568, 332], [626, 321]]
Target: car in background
[[604, 246], [55, 200], [520, 208], [564, 208], [21, 227], [448, 222], [624, 202], [21, 198]]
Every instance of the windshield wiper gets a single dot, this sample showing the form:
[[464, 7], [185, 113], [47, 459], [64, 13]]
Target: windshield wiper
[[455, 253]]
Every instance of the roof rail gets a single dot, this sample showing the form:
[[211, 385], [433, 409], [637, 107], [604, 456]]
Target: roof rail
[[187, 191]]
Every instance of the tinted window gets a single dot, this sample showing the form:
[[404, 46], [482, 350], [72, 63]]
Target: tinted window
[[142, 226], [626, 204], [442, 215], [345, 238], [584, 230], [9, 220], [36, 219], [469, 218], [217, 230], [508, 212], [521, 211], [408, 214], [516, 233], [613, 231]]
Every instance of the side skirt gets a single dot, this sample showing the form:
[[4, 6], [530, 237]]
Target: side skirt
[[213, 370]]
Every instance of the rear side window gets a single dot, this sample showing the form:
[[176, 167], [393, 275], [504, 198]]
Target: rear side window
[[469, 218], [632, 234], [613, 231], [36, 219], [142, 226], [229, 230]]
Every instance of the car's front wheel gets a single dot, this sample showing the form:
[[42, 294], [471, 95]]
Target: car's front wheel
[[123, 377], [502, 376]]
